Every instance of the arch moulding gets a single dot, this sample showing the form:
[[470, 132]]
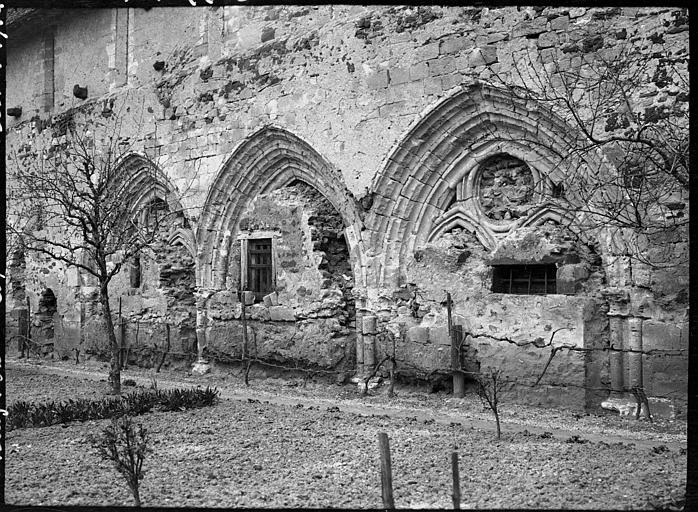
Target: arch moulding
[[439, 157], [266, 160]]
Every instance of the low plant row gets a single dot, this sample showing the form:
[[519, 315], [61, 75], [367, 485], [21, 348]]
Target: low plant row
[[27, 414]]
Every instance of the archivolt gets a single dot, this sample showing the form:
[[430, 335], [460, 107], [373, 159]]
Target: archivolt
[[185, 237], [139, 181], [438, 154], [266, 160]]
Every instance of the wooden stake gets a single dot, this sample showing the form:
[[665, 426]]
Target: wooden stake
[[386, 472], [456, 481], [455, 333], [458, 377], [245, 356], [448, 310]]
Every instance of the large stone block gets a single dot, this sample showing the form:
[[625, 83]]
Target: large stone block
[[271, 300], [378, 79], [369, 324], [548, 40], [560, 23], [418, 334], [664, 336], [439, 335], [419, 71], [454, 44], [442, 66], [399, 75], [248, 297], [72, 277], [529, 28], [665, 368], [483, 56], [282, 314]]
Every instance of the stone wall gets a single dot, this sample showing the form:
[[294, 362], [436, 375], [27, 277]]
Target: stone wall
[[422, 176], [312, 303]]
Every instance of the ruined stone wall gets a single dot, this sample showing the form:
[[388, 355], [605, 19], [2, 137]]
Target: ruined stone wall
[[312, 304], [380, 106]]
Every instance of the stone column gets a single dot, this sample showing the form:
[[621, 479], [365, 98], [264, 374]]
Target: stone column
[[616, 358], [201, 365], [359, 351], [368, 328], [635, 358], [200, 335]]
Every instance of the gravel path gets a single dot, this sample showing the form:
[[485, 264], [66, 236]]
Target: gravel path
[[277, 444]]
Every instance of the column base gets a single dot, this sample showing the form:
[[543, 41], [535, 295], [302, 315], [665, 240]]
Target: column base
[[372, 384], [201, 367], [626, 405]]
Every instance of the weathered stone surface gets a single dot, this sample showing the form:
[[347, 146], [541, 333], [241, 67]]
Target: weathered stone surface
[[418, 334], [548, 39], [348, 113], [658, 407], [440, 336], [281, 314], [369, 324], [570, 278], [529, 28], [377, 79], [482, 56]]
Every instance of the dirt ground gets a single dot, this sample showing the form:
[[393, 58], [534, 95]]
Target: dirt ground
[[278, 443]]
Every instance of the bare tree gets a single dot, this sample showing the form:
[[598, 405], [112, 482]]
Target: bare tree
[[75, 190], [490, 385], [626, 167], [126, 445]]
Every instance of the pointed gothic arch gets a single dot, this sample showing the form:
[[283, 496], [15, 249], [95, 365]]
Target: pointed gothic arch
[[268, 159], [442, 152], [140, 181]]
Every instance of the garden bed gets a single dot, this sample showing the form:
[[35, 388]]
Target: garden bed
[[277, 445]]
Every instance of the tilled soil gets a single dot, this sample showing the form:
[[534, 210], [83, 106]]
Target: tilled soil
[[277, 445]]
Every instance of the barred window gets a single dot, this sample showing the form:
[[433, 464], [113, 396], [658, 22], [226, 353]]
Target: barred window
[[524, 279], [259, 267]]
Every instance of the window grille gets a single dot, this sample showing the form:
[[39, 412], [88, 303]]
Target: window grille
[[259, 267], [524, 279]]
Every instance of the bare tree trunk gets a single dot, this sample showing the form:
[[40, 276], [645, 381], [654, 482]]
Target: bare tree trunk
[[115, 370], [136, 494], [496, 417], [245, 349]]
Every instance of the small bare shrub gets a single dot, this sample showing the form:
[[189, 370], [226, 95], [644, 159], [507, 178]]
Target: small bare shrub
[[126, 445], [489, 387]]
